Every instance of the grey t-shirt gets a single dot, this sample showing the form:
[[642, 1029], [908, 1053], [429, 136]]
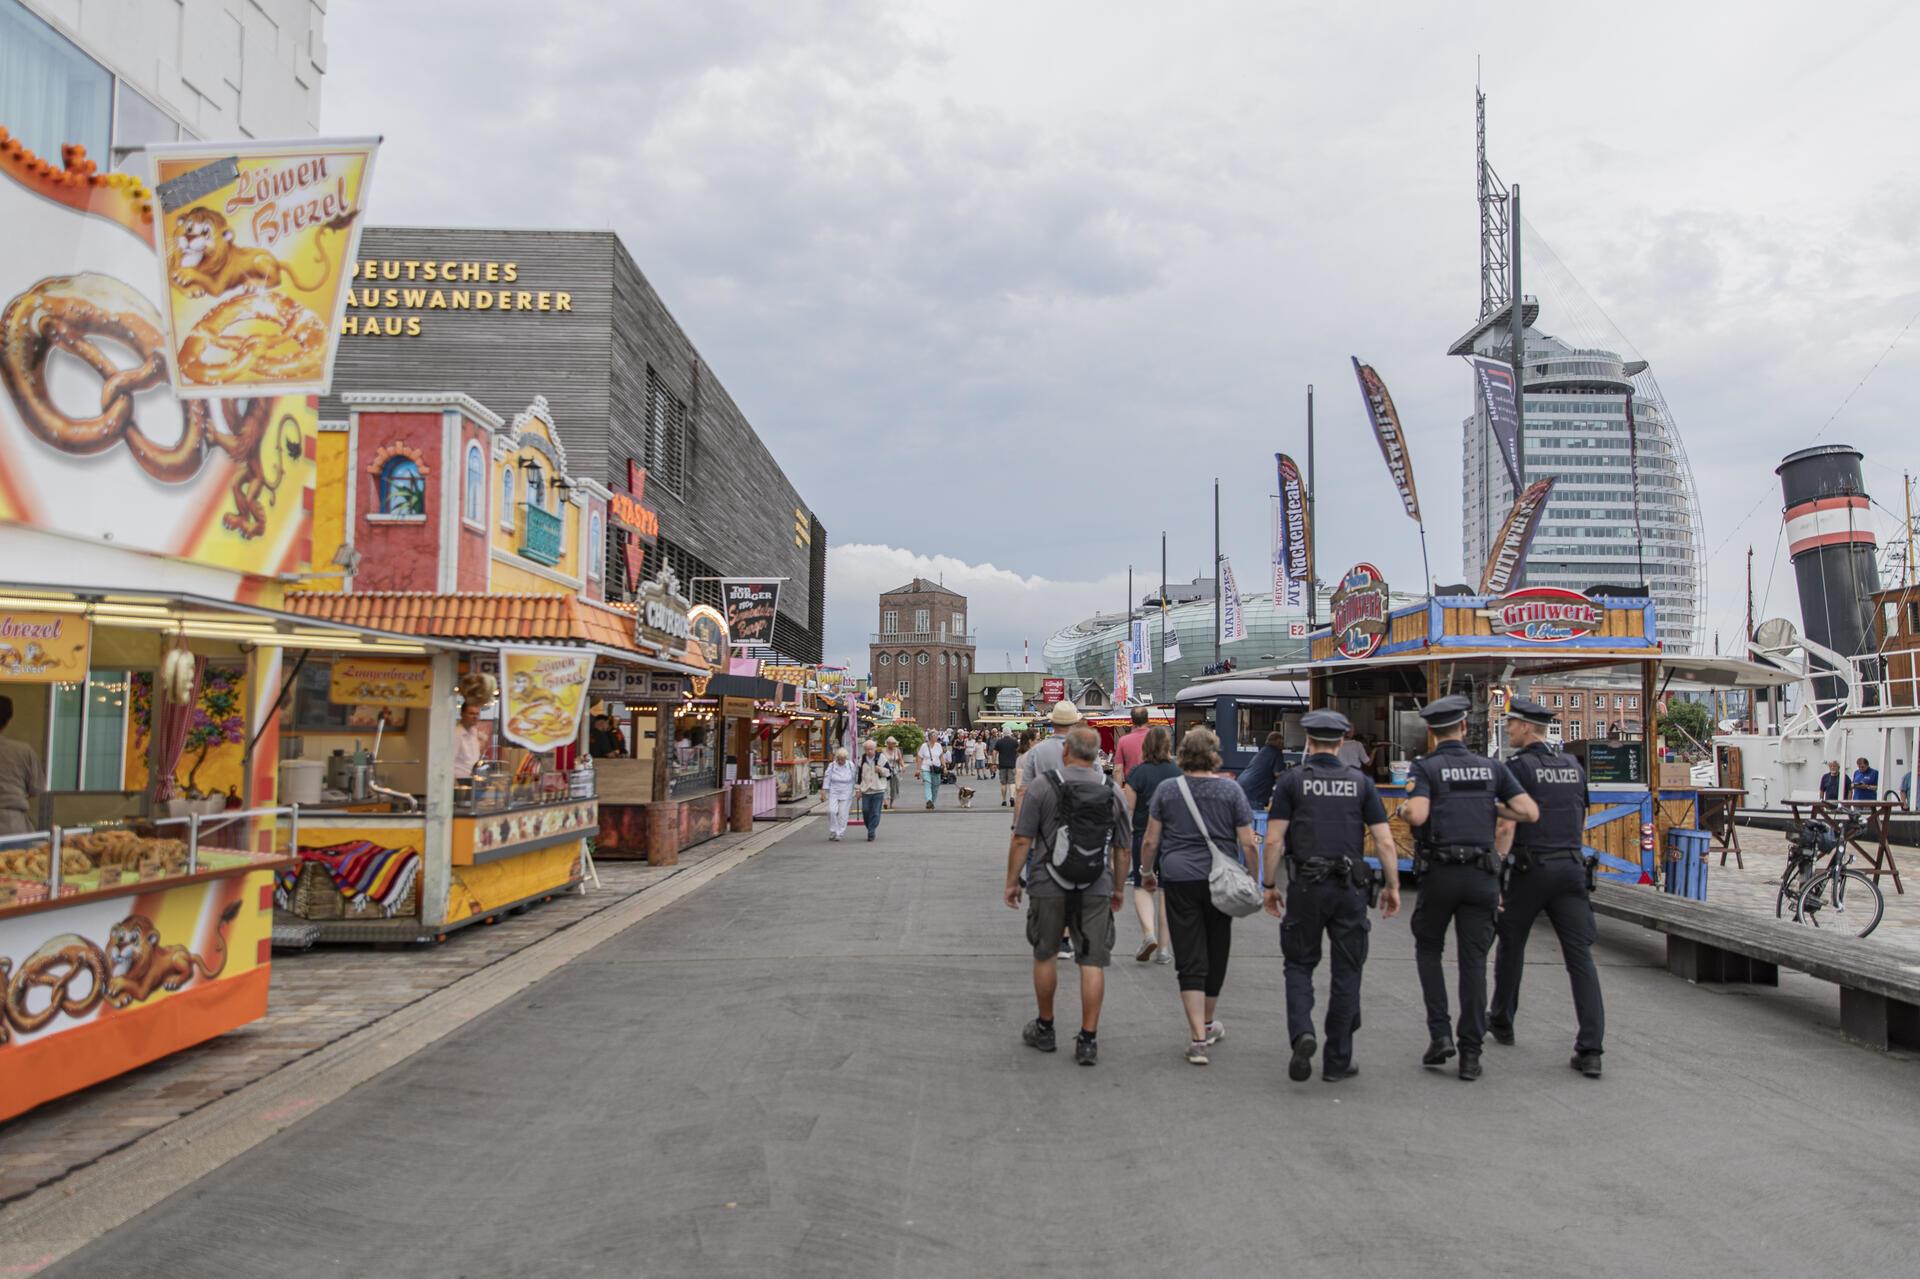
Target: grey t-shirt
[[1183, 849], [1039, 817], [1046, 754]]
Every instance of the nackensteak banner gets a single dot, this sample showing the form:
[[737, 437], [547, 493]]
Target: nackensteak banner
[[1386, 429], [750, 607], [1291, 569], [1509, 554], [1503, 411]]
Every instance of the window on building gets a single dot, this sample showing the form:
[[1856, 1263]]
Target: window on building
[[952, 719], [1633, 703], [903, 658], [953, 688], [50, 92], [476, 494], [506, 498], [1913, 617], [137, 122], [905, 688], [1573, 699], [666, 428], [1556, 699], [922, 620], [890, 622], [1619, 701], [959, 624], [597, 540], [886, 659], [403, 490], [923, 659], [943, 659]]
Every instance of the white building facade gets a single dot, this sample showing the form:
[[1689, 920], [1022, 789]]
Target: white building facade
[[114, 76], [1576, 430]]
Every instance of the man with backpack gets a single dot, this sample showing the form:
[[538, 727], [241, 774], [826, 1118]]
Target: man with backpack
[[1073, 840]]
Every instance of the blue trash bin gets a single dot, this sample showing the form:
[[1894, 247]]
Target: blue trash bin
[[1686, 866]]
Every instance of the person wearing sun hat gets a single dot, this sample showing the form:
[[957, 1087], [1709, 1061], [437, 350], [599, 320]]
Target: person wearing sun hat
[[1047, 754]]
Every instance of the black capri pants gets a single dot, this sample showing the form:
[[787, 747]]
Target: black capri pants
[[1202, 935]]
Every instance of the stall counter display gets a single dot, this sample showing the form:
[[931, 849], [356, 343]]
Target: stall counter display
[[135, 959]]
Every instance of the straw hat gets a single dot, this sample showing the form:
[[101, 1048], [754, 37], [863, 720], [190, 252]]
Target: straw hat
[[1065, 714]]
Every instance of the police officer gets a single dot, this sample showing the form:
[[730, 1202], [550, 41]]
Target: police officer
[[1548, 872], [1320, 816], [1453, 804]]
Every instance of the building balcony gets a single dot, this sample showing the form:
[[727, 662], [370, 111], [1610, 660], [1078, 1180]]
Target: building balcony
[[540, 535], [921, 637]]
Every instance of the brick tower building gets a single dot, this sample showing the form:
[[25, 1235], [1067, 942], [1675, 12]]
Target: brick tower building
[[923, 653]]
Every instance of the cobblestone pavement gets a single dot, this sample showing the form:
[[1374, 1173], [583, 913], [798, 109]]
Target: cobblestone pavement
[[1765, 854], [317, 997]]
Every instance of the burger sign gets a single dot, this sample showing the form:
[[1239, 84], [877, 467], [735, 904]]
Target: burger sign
[[1544, 615]]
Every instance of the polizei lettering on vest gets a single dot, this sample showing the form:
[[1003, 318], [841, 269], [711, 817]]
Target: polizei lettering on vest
[[1469, 773], [1337, 788], [1558, 776]]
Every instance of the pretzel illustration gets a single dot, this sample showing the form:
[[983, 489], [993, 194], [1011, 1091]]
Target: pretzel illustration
[[76, 314]]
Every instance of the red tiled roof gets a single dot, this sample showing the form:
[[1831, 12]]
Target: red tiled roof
[[467, 616]]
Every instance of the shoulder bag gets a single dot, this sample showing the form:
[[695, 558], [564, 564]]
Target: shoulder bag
[[1228, 883]]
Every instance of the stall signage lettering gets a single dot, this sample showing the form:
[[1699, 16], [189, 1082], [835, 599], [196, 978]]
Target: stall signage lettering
[[750, 610], [1544, 615], [707, 631], [362, 682], [661, 617], [1053, 690], [1360, 612], [43, 648]]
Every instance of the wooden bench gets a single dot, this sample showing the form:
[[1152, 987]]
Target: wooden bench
[[1879, 987]]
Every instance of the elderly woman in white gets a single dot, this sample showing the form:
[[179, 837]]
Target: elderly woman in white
[[838, 785]]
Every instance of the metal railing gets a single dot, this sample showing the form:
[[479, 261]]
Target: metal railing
[[1877, 687], [921, 637], [197, 824]]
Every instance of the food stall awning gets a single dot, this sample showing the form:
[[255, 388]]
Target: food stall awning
[[1712, 672], [200, 617], [486, 620]]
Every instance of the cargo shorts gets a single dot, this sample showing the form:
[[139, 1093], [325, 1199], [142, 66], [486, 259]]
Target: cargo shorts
[[1091, 927]]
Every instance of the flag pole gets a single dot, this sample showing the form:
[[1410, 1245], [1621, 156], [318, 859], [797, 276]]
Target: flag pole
[[1163, 616], [1216, 571], [1313, 529]]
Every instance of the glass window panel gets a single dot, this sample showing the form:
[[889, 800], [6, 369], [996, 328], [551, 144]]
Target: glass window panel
[[136, 123], [64, 753], [50, 92], [104, 756]]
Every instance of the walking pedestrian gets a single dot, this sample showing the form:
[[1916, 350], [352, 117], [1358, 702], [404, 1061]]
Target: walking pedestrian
[[896, 767], [1317, 828], [1156, 766], [1453, 804], [838, 784], [1257, 778], [1547, 872], [872, 786], [1048, 754], [1127, 751], [1006, 753], [1189, 816], [1071, 843], [928, 762]]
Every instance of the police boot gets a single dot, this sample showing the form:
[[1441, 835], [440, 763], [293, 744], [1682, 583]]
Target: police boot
[[1439, 1052], [1502, 1031], [1469, 1066], [1587, 1064]]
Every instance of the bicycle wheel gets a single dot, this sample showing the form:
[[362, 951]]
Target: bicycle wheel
[[1788, 898], [1849, 903]]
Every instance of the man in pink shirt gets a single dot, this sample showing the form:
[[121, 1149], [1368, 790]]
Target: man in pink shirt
[[1126, 751]]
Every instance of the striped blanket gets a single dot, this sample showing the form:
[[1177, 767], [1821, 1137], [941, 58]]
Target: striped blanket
[[366, 874]]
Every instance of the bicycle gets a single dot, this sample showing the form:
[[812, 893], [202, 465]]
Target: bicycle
[[1836, 896]]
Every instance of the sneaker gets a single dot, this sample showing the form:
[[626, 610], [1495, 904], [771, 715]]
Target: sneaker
[[1197, 1053], [1502, 1032], [1066, 948], [1587, 1064], [1215, 1033], [1086, 1051], [1163, 958], [1147, 946], [929, 806], [1300, 1068], [1034, 1035]]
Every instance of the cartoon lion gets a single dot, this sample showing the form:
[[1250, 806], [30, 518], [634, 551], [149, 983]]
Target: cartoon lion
[[141, 965], [204, 260]]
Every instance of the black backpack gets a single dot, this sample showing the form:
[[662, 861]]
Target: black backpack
[[1084, 830]]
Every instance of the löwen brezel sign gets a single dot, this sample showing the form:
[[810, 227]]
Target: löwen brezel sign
[[1544, 615]]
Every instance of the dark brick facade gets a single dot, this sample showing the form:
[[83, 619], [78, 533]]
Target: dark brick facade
[[921, 636], [569, 315]]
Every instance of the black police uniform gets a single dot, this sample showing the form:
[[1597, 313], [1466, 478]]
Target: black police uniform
[[1459, 882], [1549, 874], [1327, 806]]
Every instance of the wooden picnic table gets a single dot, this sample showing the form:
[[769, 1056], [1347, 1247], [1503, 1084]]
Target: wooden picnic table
[[1718, 805], [1879, 814]]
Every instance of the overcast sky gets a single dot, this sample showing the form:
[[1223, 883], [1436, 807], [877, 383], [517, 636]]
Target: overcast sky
[[1005, 286]]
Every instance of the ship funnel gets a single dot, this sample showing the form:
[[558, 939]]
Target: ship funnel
[[1830, 537]]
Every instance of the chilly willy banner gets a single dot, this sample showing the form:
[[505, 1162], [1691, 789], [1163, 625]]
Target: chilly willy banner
[[1509, 554], [1233, 622], [750, 606], [1290, 567], [1495, 380], [259, 243], [1386, 429]]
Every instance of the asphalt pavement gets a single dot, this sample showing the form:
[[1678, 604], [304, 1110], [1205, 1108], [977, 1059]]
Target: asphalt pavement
[[812, 1066]]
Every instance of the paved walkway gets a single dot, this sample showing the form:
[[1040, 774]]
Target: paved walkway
[[812, 1067], [317, 998]]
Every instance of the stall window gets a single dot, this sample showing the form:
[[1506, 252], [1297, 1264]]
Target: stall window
[[597, 541], [506, 500], [476, 486], [88, 750], [403, 490]]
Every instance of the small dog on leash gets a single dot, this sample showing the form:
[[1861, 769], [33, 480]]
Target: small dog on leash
[[966, 796]]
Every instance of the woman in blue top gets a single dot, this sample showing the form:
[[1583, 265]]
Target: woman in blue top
[[1179, 859], [1156, 765]]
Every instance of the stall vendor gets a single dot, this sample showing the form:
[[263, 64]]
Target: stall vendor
[[470, 741], [604, 741], [19, 779]]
